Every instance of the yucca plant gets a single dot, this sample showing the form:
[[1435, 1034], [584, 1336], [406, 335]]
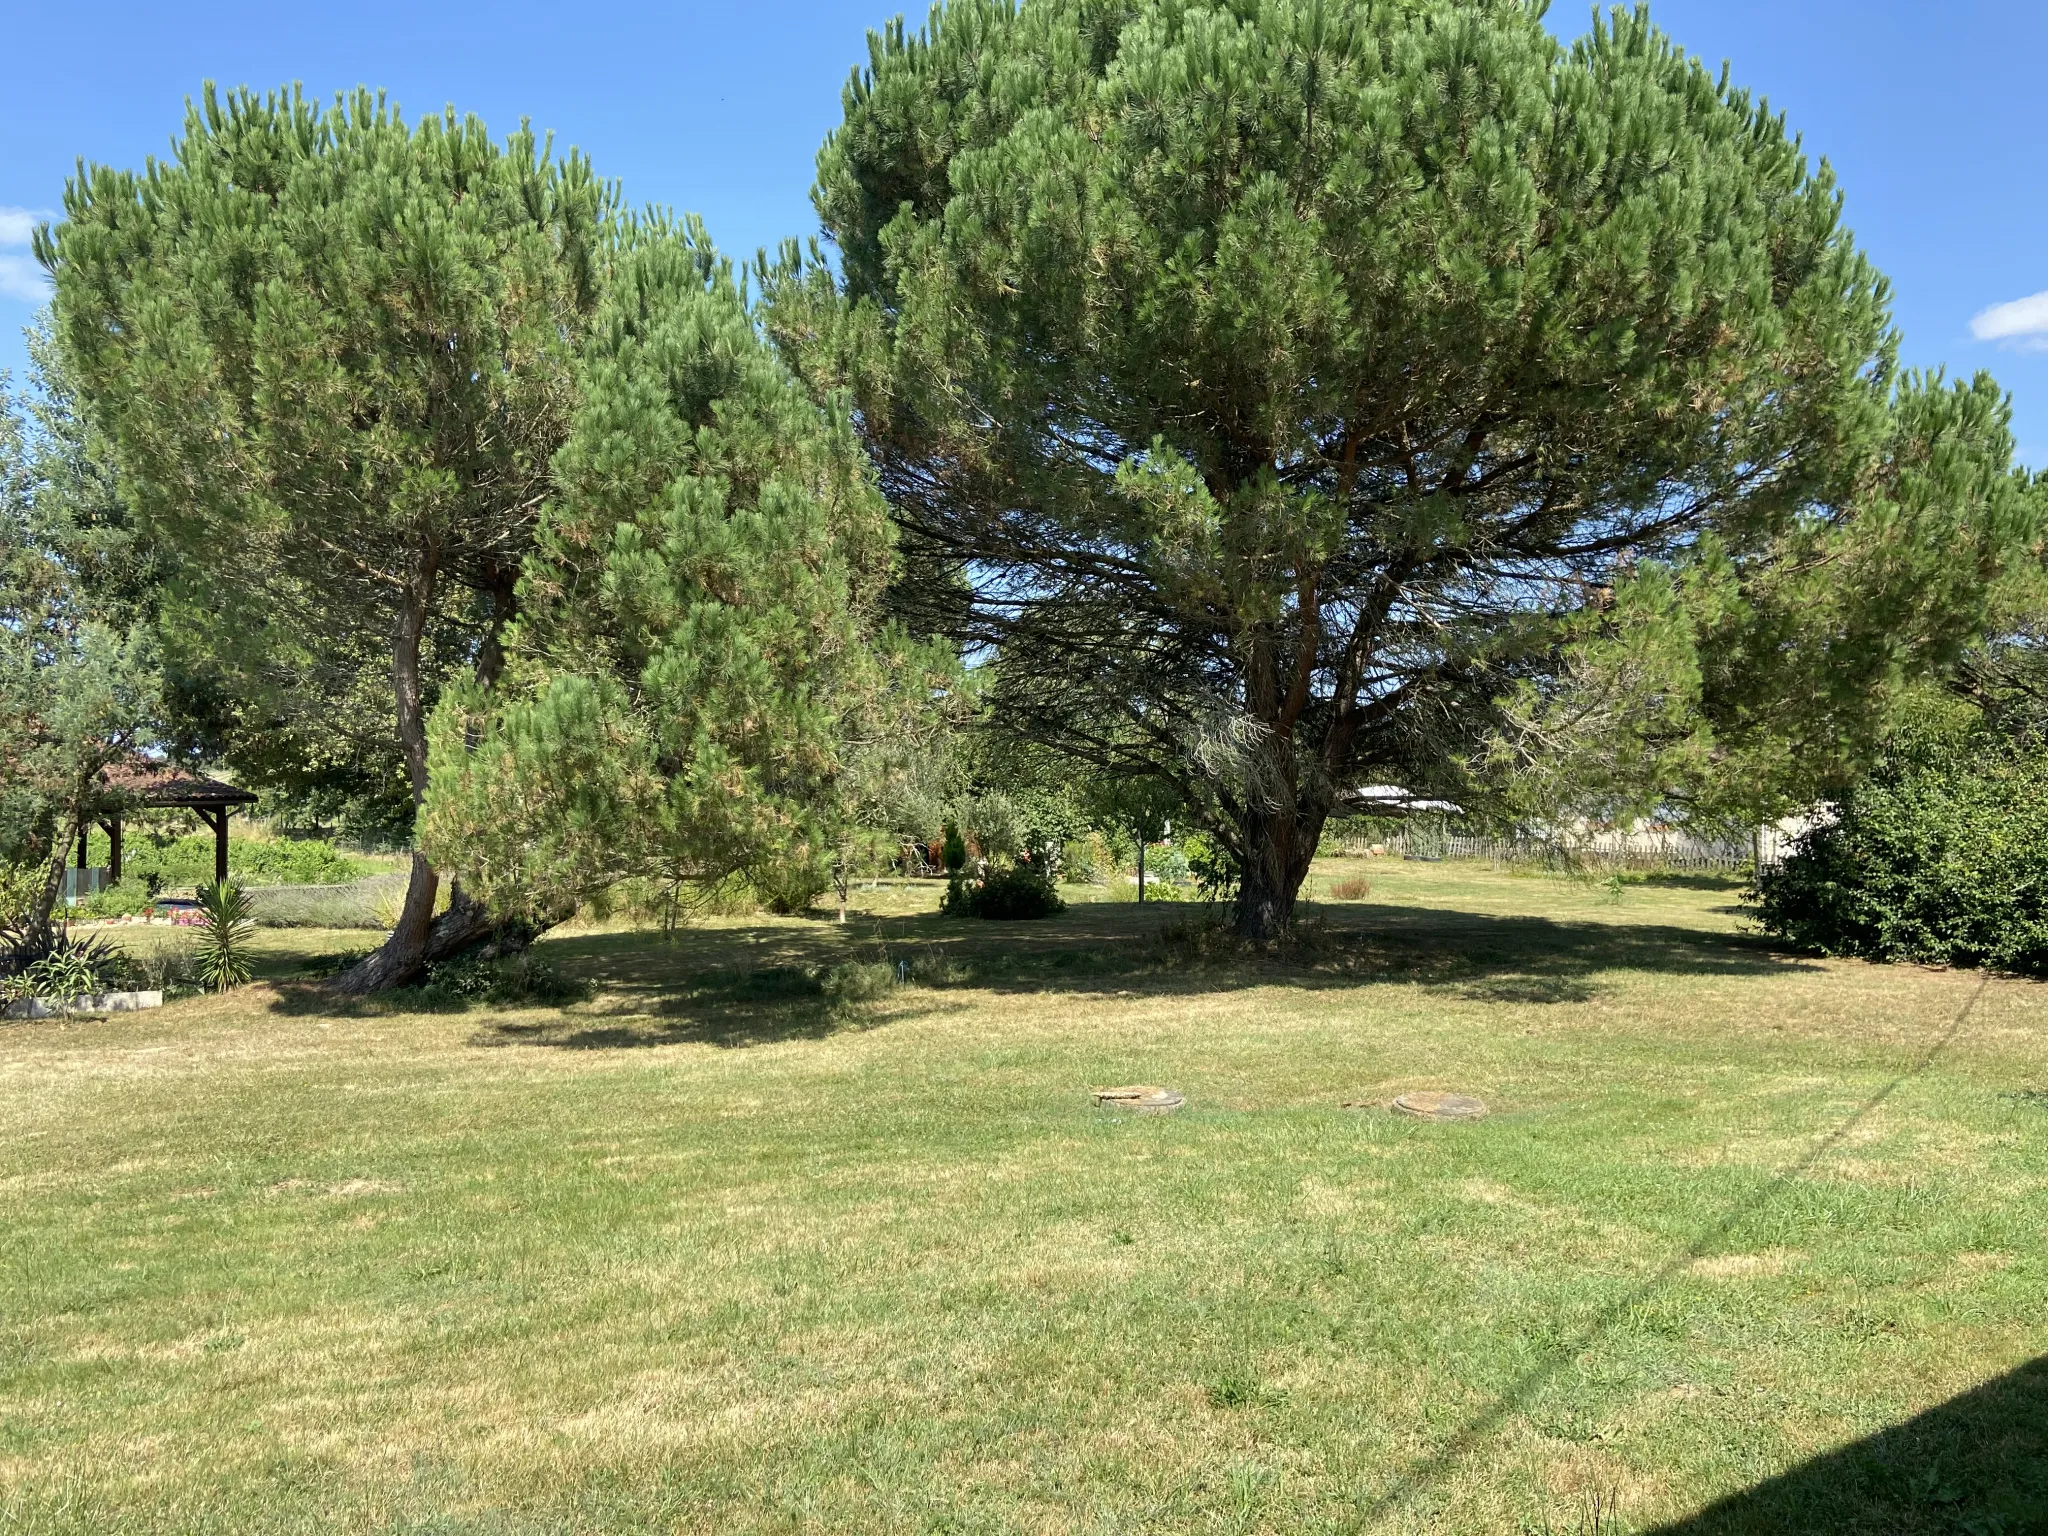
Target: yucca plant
[[221, 957]]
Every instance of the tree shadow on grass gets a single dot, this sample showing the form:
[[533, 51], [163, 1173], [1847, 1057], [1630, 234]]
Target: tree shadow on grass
[[738, 984], [748, 983], [726, 1009], [1677, 880], [1977, 1463], [1483, 957]]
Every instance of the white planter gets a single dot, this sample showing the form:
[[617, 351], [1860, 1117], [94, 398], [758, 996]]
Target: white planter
[[85, 1002]]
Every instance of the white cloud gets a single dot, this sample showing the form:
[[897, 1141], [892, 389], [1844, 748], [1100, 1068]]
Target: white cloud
[[2022, 323], [21, 278], [17, 224]]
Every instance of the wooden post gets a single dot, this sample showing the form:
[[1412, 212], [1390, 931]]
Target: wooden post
[[1141, 866], [113, 827], [84, 837], [220, 845]]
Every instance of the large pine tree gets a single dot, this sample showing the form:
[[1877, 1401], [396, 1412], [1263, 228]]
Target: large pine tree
[[333, 353], [1301, 394], [695, 674]]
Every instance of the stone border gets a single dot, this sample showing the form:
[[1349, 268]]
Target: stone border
[[1431, 1105], [84, 1002]]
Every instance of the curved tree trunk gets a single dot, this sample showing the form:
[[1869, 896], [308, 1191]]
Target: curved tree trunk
[[404, 953], [469, 926], [421, 939], [40, 931]]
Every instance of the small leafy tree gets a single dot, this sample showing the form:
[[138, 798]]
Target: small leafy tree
[[79, 693], [896, 743], [952, 849]]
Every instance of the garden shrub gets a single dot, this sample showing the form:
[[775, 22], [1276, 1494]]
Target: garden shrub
[[1213, 865], [952, 849], [1939, 856], [164, 966], [123, 899], [67, 968], [221, 957], [857, 983], [370, 903], [789, 887], [1167, 864], [507, 980], [19, 885], [939, 970], [1009, 895]]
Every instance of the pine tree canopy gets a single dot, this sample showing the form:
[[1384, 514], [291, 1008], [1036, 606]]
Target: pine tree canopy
[[695, 650], [333, 354], [1298, 394]]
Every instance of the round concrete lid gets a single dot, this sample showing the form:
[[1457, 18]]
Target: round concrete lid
[[1143, 1099], [1439, 1106]]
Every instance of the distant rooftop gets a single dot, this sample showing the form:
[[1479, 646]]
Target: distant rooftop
[[1393, 797], [167, 789]]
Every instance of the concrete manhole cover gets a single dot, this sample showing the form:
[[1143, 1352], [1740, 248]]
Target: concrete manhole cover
[[1143, 1099], [1439, 1106]]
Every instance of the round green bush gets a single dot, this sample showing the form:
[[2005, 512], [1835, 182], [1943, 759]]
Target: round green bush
[[1940, 856], [1004, 895]]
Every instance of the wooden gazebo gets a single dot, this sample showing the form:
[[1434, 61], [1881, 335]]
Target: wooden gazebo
[[164, 789]]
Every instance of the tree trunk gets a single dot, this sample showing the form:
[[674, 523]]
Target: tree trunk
[[40, 931], [404, 954], [468, 924], [1279, 845], [422, 939]]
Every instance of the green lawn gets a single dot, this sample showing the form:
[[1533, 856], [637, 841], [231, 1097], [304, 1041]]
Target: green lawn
[[706, 1253]]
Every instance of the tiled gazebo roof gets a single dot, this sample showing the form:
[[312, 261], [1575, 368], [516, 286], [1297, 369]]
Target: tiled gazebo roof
[[167, 789]]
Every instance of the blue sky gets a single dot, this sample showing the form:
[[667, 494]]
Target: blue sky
[[1931, 113]]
